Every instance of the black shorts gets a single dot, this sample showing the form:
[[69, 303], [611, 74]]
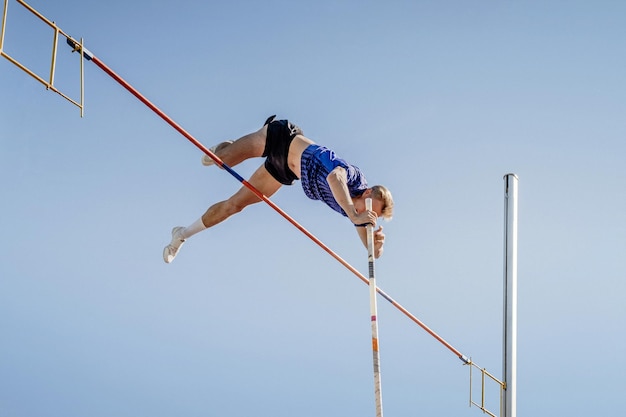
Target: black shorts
[[280, 134]]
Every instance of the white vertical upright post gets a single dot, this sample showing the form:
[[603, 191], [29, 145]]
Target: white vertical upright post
[[374, 314], [509, 352]]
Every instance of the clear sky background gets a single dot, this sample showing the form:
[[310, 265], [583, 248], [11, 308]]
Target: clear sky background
[[438, 100]]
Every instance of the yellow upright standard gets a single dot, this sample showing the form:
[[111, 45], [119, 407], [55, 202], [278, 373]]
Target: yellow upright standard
[[48, 82]]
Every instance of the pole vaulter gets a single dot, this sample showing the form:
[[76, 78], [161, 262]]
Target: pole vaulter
[[91, 57]]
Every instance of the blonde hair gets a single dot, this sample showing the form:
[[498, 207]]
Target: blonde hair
[[381, 193]]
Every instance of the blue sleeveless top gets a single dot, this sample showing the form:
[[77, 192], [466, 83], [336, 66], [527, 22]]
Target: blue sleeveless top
[[316, 163]]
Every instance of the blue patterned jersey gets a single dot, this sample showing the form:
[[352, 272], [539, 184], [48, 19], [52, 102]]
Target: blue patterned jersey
[[317, 162]]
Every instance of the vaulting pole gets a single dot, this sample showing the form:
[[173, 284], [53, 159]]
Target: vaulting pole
[[374, 314], [509, 343]]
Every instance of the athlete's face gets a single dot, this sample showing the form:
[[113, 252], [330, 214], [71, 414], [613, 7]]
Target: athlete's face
[[377, 205]]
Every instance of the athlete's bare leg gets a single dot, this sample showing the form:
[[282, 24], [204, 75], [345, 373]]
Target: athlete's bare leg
[[261, 180], [246, 147]]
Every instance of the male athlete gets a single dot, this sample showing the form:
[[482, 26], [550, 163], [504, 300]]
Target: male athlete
[[291, 156]]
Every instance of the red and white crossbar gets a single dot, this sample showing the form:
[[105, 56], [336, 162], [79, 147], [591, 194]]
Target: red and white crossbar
[[89, 56]]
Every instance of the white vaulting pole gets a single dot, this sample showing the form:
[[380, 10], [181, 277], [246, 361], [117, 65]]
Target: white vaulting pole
[[509, 344], [374, 314]]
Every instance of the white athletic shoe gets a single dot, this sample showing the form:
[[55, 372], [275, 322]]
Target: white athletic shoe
[[206, 159], [171, 250]]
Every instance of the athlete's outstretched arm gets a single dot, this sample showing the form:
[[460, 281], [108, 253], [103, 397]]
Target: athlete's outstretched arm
[[338, 183]]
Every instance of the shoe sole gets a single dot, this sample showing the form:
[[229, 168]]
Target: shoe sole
[[207, 160]]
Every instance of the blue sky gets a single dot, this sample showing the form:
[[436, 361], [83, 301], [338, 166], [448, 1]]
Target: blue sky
[[436, 100]]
